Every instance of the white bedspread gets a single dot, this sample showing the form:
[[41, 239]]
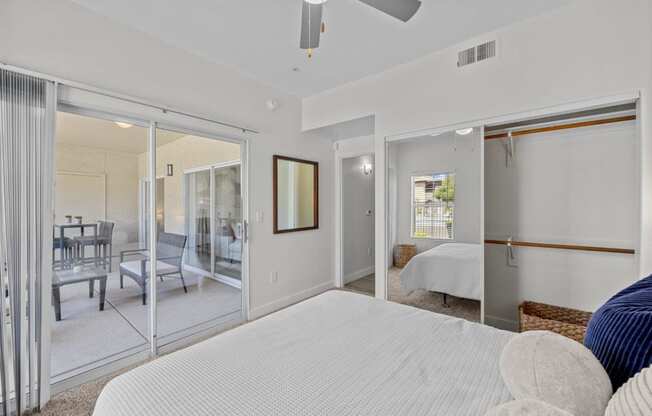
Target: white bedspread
[[452, 268], [339, 353]]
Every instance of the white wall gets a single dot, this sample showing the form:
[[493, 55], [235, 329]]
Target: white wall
[[65, 40], [188, 152], [121, 178], [357, 224], [576, 186], [355, 146], [441, 154], [588, 49]]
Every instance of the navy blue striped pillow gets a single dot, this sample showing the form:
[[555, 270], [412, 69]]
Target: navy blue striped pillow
[[620, 332]]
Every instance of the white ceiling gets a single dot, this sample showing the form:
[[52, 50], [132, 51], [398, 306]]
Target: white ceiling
[[96, 133], [261, 37]]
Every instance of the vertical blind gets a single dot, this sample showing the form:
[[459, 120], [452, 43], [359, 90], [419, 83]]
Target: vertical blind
[[27, 110]]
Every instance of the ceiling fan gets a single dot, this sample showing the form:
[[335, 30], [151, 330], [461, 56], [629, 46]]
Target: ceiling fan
[[312, 25]]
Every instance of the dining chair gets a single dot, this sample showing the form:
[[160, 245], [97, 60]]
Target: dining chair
[[66, 253], [104, 242]]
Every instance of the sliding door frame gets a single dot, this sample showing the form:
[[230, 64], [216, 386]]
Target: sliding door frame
[[214, 327], [212, 168]]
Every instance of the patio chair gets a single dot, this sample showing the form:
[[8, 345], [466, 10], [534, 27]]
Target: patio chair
[[169, 250], [104, 242]]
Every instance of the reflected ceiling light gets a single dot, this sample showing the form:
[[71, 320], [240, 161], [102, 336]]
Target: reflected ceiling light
[[123, 125], [464, 132]]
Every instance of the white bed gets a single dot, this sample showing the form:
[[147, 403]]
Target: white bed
[[339, 353], [451, 268]]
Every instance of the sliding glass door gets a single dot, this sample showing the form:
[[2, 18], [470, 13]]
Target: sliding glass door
[[228, 223], [97, 245], [197, 221], [200, 244], [109, 304], [143, 230], [214, 221]]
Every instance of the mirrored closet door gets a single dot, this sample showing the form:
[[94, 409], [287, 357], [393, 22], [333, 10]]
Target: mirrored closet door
[[434, 222], [562, 209]]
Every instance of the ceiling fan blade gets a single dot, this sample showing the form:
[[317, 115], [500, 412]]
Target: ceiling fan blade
[[310, 25], [400, 9]]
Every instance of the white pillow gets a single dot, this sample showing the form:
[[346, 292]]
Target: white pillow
[[526, 407], [633, 398], [554, 369]]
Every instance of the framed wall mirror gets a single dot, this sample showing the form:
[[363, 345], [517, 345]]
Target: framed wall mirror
[[296, 194]]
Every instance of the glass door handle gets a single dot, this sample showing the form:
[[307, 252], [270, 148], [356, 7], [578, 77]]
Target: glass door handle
[[245, 231]]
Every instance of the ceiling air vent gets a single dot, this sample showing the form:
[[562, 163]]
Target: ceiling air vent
[[466, 57], [476, 54], [486, 50]]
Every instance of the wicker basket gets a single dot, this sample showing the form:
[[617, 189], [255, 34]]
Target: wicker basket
[[570, 323], [403, 253]]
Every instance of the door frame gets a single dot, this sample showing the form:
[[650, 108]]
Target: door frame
[[339, 158]]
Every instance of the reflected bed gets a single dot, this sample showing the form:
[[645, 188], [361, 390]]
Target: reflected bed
[[451, 268]]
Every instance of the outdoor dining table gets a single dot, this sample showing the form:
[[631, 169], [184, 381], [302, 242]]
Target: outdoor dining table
[[63, 227]]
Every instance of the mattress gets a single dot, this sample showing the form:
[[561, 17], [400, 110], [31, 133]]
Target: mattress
[[339, 353], [452, 268]]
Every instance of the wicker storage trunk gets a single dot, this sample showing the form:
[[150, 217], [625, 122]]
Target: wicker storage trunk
[[403, 253], [568, 322]]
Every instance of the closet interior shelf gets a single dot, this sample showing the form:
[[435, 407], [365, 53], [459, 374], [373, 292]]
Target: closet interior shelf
[[575, 125], [563, 246]]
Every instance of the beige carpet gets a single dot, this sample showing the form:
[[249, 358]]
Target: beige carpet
[[363, 285], [79, 401], [458, 307]]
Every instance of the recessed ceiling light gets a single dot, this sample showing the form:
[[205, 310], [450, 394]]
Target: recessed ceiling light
[[123, 125], [316, 1], [464, 132]]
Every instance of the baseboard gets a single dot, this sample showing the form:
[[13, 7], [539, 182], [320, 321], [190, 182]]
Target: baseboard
[[219, 277], [228, 281], [289, 300], [500, 323], [358, 274]]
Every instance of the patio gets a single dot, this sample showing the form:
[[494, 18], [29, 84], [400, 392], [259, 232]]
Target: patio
[[86, 337]]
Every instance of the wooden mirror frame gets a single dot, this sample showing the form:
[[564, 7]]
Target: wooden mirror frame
[[315, 195]]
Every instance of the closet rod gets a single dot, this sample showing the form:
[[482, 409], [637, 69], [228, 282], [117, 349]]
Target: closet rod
[[563, 246], [562, 127]]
